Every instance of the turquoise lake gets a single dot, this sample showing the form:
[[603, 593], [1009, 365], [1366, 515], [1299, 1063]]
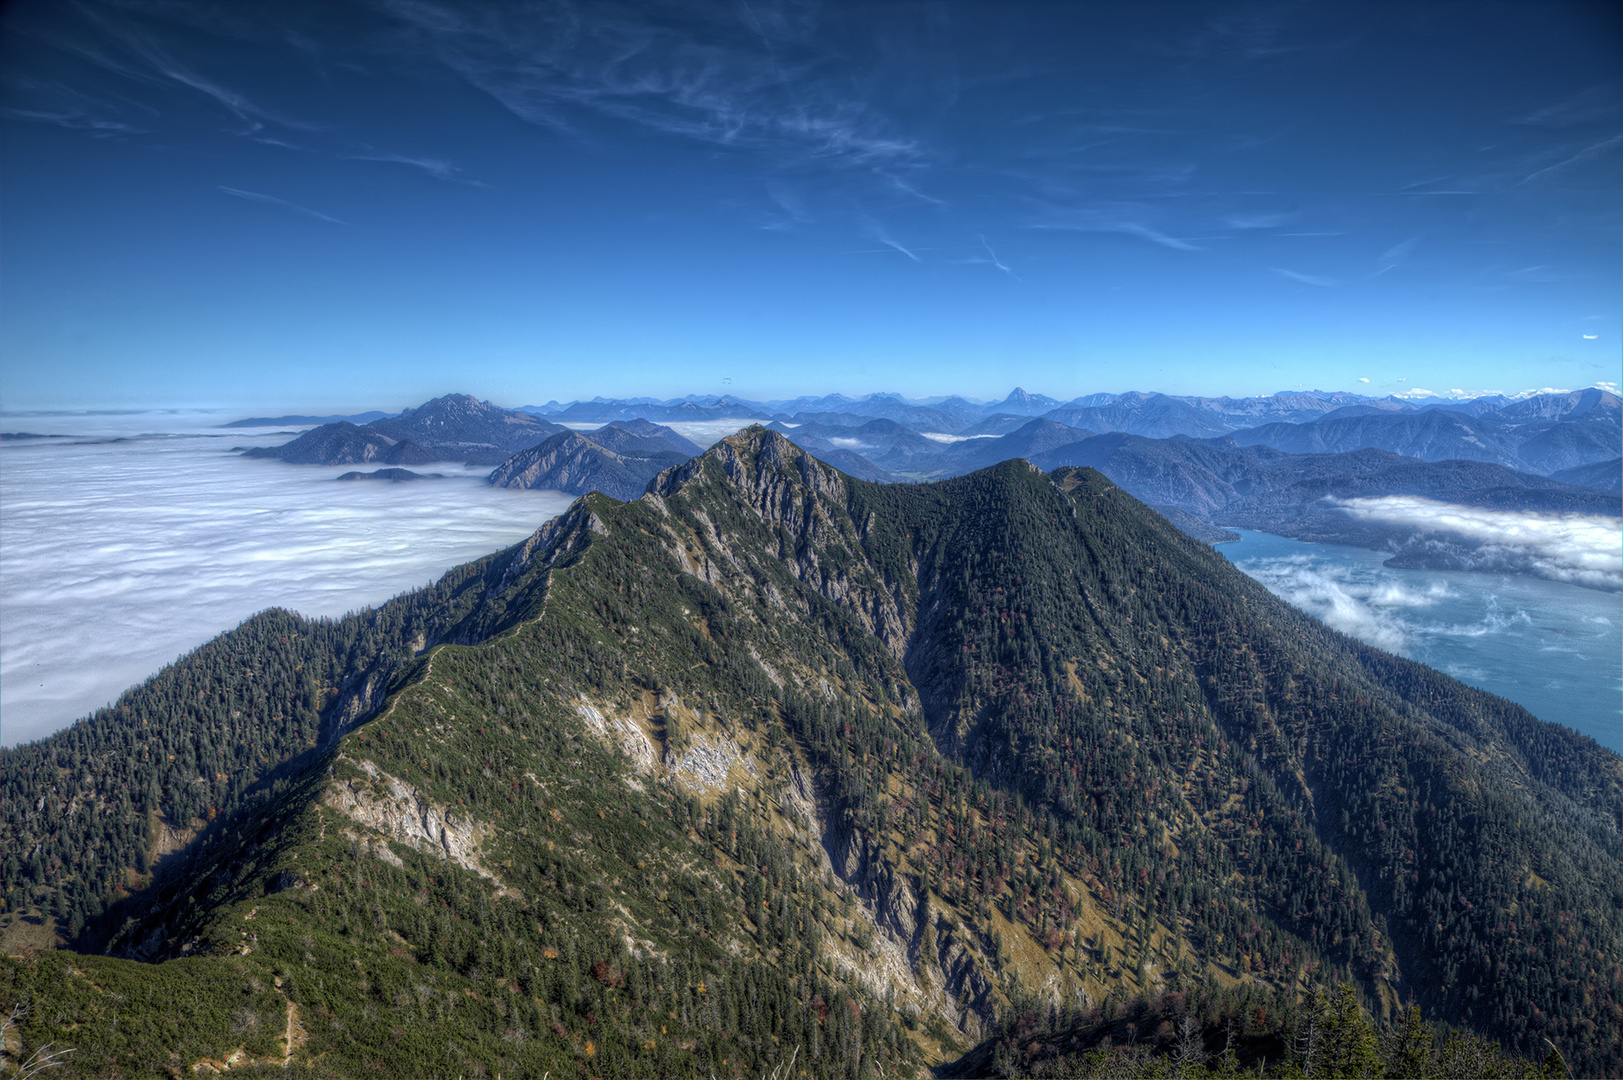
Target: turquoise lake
[[1553, 648]]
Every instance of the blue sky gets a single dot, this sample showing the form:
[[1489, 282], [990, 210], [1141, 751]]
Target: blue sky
[[345, 205]]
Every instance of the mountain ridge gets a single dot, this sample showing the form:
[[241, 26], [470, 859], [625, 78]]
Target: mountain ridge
[[454, 427], [1040, 742], [620, 464]]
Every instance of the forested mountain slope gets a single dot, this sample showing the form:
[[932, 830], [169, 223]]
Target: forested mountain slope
[[570, 461], [774, 765]]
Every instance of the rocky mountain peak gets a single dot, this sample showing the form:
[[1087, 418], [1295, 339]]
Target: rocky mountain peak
[[764, 466], [570, 442], [1021, 402], [440, 404], [755, 439]]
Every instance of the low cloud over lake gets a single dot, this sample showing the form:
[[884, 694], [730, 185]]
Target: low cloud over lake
[[1373, 607], [1580, 549], [1550, 646]]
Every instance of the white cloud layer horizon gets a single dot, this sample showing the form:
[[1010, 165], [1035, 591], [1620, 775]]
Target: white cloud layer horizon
[[117, 557], [1581, 549]]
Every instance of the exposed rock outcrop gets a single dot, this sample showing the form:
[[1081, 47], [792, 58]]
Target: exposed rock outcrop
[[393, 810]]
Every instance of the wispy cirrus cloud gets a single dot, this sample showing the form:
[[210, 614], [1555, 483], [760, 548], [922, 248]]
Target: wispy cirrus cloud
[[991, 257], [1246, 33], [1154, 236], [1396, 255], [285, 204], [156, 70], [1305, 279], [76, 119], [1257, 220], [752, 78], [124, 47], [791, 207], [1108, 218], [233, 102], [1596, 104], [947, 121], [881, 236], [1586, 153], [1550, 144], [1537, 272], [435, 167], [56, 101]]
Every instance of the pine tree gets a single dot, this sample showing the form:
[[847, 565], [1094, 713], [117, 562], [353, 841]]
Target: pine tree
[[1410, 1054]]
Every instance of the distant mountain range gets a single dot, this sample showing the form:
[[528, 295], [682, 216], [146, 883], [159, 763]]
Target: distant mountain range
[[296, 420], [1288, 473], [455, 427], [1155, 415], [1205, 485], [1541, 434]]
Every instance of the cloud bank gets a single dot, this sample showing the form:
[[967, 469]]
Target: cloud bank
[[1580, 549], [118, 555], [1371, 609]]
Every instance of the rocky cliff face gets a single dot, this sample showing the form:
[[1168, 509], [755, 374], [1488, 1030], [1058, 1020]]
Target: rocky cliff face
[[804, 506], [389, 810]]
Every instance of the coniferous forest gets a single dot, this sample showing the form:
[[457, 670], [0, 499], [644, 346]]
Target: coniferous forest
[[777, 772]]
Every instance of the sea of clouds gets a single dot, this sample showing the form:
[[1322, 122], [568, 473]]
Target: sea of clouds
[[126, 546], [1581, 549]]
